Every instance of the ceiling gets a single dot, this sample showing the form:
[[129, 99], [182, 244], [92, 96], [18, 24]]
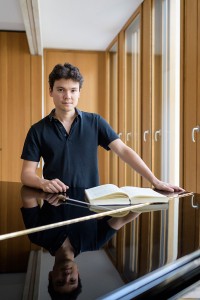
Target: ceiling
[[66, 24]]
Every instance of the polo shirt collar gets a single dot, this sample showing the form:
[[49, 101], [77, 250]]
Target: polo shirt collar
[[52, 114]]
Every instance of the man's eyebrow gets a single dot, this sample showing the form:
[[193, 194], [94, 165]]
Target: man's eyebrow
[[71, 88]]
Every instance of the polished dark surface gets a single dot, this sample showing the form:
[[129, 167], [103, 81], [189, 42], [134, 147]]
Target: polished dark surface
[[150, 242]]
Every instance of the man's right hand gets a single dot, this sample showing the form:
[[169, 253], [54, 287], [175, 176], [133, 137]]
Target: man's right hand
[[30, 178], [53, 186]]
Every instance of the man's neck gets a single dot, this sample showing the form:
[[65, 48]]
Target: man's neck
[[65, 116], [65, 252]]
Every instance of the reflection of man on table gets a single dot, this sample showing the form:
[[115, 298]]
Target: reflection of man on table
[[66, 242]]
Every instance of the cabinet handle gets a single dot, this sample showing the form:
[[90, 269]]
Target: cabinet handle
[[157, 133], [192, 202], [145, 134], [128, 136], [120, 135], [197, 129]]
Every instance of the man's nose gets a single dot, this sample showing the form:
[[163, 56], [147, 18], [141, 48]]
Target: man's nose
[[67, 95], [67, 272]]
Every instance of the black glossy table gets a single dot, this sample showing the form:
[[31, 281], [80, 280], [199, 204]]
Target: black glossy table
[[154, 256]]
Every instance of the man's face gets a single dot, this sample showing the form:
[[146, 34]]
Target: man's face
[[65, 94], [65, 277]]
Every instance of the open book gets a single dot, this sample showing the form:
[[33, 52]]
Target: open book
[[110, 194]]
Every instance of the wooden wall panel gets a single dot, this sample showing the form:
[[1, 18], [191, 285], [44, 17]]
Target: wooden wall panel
[[16, 100], [91, 66], [15, 105]]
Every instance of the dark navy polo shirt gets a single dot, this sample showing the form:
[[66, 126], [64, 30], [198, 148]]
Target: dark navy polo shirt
[[73, 157]]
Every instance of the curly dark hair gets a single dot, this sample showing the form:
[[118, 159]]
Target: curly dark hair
[[65, 296], [66, 71]]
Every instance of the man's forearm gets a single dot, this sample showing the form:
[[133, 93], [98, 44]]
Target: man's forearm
[[135, 162], [32, 180]]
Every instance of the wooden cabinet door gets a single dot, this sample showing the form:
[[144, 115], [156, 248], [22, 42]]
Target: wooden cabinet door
[[191, 94], [198, 107]]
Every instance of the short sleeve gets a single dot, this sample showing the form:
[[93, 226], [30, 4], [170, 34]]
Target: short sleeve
[[31, 150], [106, 133]]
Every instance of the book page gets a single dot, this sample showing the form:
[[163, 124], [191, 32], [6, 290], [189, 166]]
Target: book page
[[135, 193], [108, 200], [104, 191]]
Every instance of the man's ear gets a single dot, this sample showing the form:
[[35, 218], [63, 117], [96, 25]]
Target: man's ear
[[50, 92]]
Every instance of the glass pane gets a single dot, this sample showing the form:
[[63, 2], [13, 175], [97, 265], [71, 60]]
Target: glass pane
[[166, 90], [132, 94], [157, 85]]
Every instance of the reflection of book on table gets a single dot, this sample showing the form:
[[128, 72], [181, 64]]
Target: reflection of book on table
[[147, 208], [110, 194]]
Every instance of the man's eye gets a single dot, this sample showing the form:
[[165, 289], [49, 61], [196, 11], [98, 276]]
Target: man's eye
[[59, 283], [60, 90]]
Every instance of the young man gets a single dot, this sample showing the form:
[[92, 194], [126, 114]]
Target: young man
[[67, 140]]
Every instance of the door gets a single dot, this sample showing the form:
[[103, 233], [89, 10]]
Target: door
[[191, 94]]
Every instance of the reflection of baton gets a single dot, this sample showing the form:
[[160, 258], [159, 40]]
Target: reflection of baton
[[64, 199], [63, 223], [184, 194]]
